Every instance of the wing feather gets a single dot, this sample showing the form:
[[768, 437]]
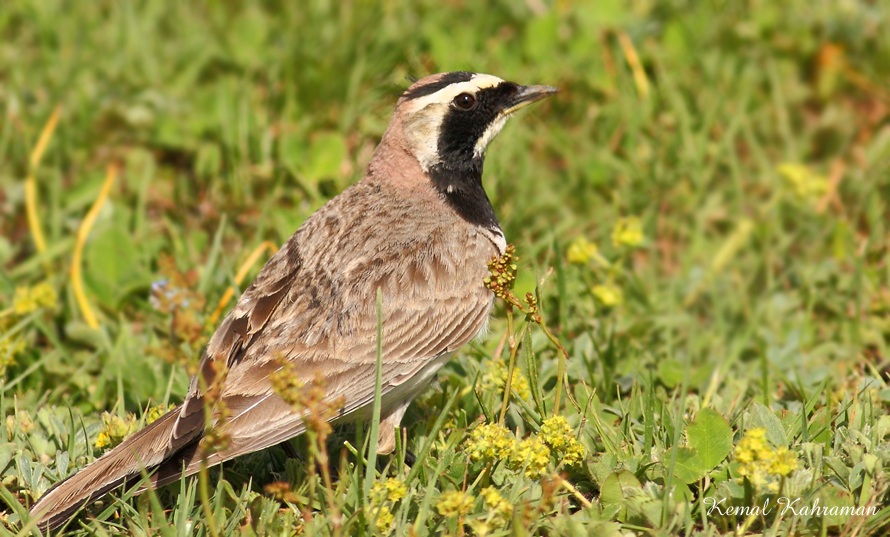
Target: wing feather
[[320, 315]]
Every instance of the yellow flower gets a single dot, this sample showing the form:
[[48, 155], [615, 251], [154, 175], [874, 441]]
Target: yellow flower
[[628, 232], [752, 447], [495, 378], [581, 251], [555, 431], [804, 184], [455, 503], [10, 347], [155, 412], [383, 495], [574, 453], [391, 490], [490, 441], [609, 294], [500, 510], [532, 455], [760, 463], [783, 462], [30, 299], [480, 527], [115, 429], [383, 518], [21, 420]]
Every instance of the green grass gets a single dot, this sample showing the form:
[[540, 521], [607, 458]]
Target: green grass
[[759, 298]]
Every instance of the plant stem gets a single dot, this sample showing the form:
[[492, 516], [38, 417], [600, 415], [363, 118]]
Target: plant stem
[[561, 367], [204, 491], [513, 342]]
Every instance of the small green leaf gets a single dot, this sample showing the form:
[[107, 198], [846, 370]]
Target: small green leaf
[[710, 440], [112, 266], [7, 451], [711, 437], [671, 372], [762, 416], [615, 487], [80, 332], [689, 467], [834, 500]]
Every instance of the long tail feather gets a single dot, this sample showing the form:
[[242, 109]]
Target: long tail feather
[[124, 464]]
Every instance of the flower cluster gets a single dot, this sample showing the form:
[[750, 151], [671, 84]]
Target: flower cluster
[[10, 347], [498, 512], [307, 398], [500, 509], [558, 435], [760, 463], [115, 429], [391, 490], [581, 251], [627, 234], [29, 299], [609, 294], [175, 296], [455, 503], [503, 273], [530, 455], [21, 421], [384, 495], [154, 413], [495, 379], [490, 441], [805, 185], [25, 300]]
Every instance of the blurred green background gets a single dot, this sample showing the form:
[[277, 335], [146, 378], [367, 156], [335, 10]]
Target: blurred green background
[[750, 140]]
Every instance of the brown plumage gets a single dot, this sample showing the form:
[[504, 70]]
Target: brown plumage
[[418, 226]]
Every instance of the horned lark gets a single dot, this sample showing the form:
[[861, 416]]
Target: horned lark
[[418, 227]]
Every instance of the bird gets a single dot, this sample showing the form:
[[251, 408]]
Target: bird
[[418, 226]]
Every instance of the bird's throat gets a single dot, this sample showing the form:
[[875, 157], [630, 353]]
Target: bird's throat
[[461, 186]]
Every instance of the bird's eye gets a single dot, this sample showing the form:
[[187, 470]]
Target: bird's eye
[[465, 101]]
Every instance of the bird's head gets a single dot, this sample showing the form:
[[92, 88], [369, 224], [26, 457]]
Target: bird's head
[[448, 119]]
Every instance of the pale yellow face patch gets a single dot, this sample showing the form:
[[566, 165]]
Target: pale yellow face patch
[[489, 134], [424, 116]]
